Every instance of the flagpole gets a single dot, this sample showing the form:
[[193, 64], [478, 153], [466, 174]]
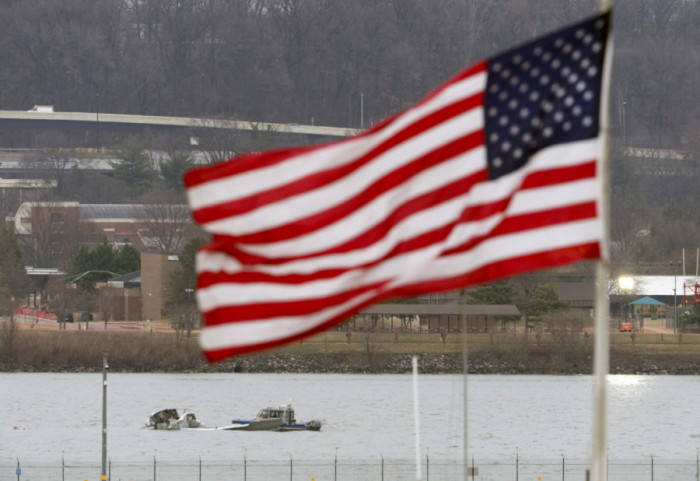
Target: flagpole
[[465, 365], [601, 360]]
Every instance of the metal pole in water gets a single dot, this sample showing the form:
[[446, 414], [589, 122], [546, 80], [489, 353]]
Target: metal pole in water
[[154, 468], [105, 366], [562, 467], [416, 416]]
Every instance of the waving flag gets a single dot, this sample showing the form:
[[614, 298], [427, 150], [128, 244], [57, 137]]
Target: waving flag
[[495, 173]]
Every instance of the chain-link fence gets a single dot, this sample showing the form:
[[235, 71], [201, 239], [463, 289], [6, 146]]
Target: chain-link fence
[[378, 469]]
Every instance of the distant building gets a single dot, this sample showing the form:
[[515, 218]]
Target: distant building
[[49, 229]]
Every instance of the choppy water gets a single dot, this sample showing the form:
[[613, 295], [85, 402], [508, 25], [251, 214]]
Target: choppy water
[[49, 417]]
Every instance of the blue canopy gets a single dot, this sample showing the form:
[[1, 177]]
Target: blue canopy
[[647, 301]]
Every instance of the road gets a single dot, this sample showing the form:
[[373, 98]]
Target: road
[[25, 322]]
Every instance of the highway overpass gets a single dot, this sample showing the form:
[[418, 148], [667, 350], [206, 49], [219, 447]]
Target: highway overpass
[[98, 120]]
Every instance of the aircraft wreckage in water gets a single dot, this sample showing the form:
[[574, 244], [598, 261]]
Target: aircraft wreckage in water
[[268, 419]]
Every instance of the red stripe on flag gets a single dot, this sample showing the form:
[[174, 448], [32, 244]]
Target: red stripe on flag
[[509, 225], [496, 270], [301, 307], [326, 177]]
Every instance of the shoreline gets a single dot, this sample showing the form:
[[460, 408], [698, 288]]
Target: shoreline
[[38, 350], [542, 361]]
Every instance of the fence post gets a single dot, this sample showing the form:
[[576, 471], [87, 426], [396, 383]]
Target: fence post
[[63, 467], [335, 466], [154, 468], [427, 468], [382, 468], [291, 464], [245, 467], [517, 460]]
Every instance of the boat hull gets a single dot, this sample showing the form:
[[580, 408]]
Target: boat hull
[[255, 425]]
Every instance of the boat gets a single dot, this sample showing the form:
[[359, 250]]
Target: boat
[[285, 415], [253, 425]]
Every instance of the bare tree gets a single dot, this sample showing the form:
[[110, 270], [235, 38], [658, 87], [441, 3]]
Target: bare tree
[[108, 300], [9, 330], [166, 223], [56, 232], [51, 165]]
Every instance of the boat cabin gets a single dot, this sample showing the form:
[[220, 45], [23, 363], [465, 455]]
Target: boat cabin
[[285, 412]]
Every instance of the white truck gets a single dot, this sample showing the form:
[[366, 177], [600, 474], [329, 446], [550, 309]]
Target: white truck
[[41, 108]]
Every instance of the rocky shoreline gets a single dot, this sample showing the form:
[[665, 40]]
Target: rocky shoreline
[[541, 360]]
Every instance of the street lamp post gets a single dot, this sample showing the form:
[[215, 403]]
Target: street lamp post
[[626, 284], [97, 118], [675, 304]]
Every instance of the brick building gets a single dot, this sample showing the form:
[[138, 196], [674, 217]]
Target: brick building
[[52, 231], [155, 277]]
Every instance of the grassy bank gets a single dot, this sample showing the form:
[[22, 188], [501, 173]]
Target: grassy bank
[[81, 351]]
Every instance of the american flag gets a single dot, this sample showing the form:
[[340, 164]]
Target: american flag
[[495, 173]]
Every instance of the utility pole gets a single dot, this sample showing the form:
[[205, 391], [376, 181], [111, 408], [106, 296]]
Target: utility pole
[[105, 366]]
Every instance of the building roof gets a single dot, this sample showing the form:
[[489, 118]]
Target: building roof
[[27, 184], [132, 279], [661, 285], [107, 211], [647, 301], [119, 212], [575, 291]]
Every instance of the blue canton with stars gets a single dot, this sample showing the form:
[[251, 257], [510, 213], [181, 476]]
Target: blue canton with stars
[[544, 93]]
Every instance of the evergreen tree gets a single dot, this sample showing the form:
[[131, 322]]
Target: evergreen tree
[[543, 301], [134, 166], [127, 259], [174, 168], [498, 292], [100, 262], [14, 280]]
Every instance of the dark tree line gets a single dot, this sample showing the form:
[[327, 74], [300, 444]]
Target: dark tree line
[[338, 63], [323, 61]]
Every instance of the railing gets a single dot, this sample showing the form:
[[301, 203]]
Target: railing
[[378, 469]]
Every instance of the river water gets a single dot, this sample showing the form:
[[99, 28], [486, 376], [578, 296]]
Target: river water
[[47, 418]]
